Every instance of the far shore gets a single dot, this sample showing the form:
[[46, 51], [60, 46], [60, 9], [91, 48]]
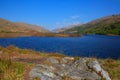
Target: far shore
[[38, 34], [25, 34], [103, 34]]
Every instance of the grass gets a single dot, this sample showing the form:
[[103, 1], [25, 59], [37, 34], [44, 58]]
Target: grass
[[66, 78], [112, 67], [11, 70]]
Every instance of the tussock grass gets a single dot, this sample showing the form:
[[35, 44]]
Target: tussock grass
[[112, 67], [11, 70], [66, 78]]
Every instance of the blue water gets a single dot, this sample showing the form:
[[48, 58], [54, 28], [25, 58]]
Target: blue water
[[100, 46]]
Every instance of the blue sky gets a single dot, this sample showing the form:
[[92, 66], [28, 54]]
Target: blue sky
[[53, 14]]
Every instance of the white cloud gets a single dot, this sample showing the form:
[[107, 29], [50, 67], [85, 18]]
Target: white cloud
[[74, 17], [72, 20], [66, 24]]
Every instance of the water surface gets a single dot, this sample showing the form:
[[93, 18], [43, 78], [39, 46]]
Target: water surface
[[100, 46]]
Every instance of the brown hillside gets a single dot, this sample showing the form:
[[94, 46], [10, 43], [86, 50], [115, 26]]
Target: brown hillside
[[7, 26]]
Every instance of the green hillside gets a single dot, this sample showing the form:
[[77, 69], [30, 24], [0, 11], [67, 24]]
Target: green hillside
[[109, 25]]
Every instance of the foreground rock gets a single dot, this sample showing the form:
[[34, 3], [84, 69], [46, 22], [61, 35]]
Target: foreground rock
[[96, 67], [69, 68]]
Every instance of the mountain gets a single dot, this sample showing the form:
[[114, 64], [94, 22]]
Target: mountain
[[31, 27], [59, 30], [8, 26], [109, 25]]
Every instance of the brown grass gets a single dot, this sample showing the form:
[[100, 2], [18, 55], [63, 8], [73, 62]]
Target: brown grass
[[22, 60], [22, 34], [113, 68]]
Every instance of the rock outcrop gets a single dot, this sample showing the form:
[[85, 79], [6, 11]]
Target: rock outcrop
[[96, 67], [69, 68]]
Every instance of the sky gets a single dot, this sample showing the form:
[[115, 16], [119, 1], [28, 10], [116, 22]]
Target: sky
[[53, 14]]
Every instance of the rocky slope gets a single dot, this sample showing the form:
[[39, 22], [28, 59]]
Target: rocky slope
[[105, 25], [7, 26]]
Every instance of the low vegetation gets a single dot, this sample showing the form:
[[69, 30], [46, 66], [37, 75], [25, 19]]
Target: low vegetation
[[113, 68], [22, 34], [11, 70], [15, 63]]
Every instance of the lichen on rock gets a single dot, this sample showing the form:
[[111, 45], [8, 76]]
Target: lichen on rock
[[79, 69]]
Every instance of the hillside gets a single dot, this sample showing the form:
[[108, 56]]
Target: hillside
[[7, 26], [109, 25]]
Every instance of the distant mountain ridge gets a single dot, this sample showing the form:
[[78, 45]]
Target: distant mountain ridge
[[105, 25], [65, 28], [8, 26]]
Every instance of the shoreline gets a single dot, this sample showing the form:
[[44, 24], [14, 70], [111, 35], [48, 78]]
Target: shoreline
[[102, 34], [21, 34], [38, 34]]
